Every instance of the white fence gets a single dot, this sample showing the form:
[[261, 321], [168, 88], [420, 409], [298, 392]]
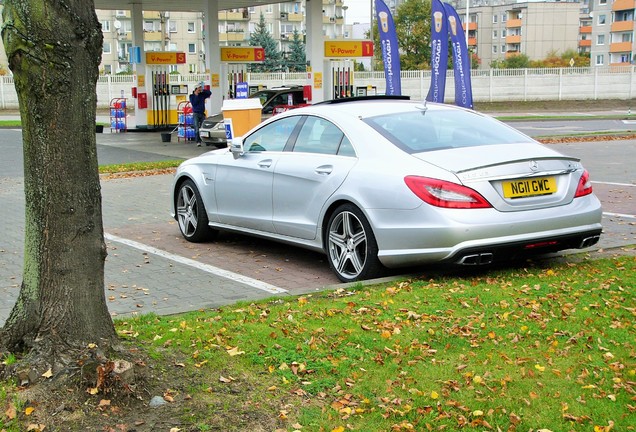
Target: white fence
[[493, 85]]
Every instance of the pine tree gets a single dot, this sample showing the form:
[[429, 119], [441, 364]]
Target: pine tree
[[297, 60], [262, 38]]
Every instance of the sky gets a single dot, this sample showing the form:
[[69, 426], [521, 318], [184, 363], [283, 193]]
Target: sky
[[358, 11]]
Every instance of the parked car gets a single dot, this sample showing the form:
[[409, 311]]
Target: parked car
[[212, 131], [380, 182]]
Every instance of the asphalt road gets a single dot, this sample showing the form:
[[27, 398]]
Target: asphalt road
[[150, 268]]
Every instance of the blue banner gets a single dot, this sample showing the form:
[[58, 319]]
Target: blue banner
[[390, 53], [439, 52], [461, 60]]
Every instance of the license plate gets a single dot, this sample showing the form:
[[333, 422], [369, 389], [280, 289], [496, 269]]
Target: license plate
[[204, 134], [529, 187]]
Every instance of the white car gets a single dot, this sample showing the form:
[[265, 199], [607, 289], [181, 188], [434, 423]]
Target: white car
[[378, 182]]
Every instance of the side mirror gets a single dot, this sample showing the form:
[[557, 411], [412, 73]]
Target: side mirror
[[236, 147]]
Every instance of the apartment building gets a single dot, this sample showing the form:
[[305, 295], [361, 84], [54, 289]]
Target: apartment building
[[613, 32], [498, 30]]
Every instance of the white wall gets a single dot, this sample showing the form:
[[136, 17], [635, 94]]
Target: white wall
[[494, 85]]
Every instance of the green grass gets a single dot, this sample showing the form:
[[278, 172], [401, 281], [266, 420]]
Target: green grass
[[523, 349], [139, 166]]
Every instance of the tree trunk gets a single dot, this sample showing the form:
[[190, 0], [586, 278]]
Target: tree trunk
[[54, 50]]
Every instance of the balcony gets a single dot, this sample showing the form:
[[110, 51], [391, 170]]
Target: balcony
[[151, 15], [234, 16], [585, 30], [514, 23], [472, 26], [232, 37], [620, 5], [472, 41], [585, 43], [621, 47], [619, 26], [513, 39], [295, 17], [153, 36]]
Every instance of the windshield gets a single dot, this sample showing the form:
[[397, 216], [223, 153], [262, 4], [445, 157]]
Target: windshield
[[419, 131]]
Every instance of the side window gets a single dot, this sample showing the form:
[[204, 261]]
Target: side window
[[272, 137], [318, 136], [346, 149]]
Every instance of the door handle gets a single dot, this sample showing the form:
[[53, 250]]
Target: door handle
[[324, 170], [266, 163]]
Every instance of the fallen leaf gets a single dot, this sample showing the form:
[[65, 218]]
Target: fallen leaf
[[234, 352], [29, 410], [10, 412], [48, 373]]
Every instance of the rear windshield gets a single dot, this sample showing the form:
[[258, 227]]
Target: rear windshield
[[420, 131]]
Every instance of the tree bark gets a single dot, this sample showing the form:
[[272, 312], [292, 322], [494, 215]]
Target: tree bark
[[54, 49]]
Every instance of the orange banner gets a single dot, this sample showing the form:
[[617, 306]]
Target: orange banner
[[349, 48], [163, 57], [242, 54]]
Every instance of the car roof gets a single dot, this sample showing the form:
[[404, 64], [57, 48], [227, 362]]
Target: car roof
[[369, 106]]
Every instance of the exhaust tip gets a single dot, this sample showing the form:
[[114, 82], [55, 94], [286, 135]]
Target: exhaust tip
[[589, 241], [477, 259]]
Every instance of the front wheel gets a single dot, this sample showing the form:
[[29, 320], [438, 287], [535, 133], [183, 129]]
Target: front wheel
[[191, 214], [351, 245]]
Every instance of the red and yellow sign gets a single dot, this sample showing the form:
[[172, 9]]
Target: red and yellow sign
[[165, 58], [349, 48], [242, 54]]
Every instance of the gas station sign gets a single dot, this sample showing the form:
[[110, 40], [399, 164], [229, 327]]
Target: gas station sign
[[165, 58], [242, 54], [349, 48]]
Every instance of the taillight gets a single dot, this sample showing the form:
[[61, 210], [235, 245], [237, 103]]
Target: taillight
[[441, 193], [585, 185]]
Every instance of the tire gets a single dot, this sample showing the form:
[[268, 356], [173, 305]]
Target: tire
[[351, 246], [191, 215]]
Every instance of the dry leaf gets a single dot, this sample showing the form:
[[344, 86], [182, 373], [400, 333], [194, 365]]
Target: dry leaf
[[234, 351], [48, 373], [29, 410], [10, 412]]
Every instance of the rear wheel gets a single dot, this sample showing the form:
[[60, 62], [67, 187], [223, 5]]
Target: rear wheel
[[351, 245], [191, 214]]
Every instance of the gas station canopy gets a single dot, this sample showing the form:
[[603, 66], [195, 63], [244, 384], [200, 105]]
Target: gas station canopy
[[179, 5]]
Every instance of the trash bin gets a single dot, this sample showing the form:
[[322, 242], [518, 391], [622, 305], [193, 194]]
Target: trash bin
[[245, 114], [165, 137]]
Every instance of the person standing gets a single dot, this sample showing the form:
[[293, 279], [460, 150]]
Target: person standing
[[197, 100]]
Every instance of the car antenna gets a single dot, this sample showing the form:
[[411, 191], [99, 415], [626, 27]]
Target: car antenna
[[422, 105]]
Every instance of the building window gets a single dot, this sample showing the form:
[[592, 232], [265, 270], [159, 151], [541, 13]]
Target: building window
[[602, 2], [494, 19], [494, 34], [108, 69], [503, 33], [190, 27], [106, 47], [601, 20], [503, 48], [599, 60], [106, 26], [494, 49], [192, 48], [172, 26], [600, 39], [504, 17]]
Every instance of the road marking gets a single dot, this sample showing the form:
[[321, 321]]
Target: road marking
[[254, 283], [623, 215], [613, 183]]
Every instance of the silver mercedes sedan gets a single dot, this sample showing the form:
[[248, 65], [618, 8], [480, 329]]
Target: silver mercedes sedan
[[379, 182]]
